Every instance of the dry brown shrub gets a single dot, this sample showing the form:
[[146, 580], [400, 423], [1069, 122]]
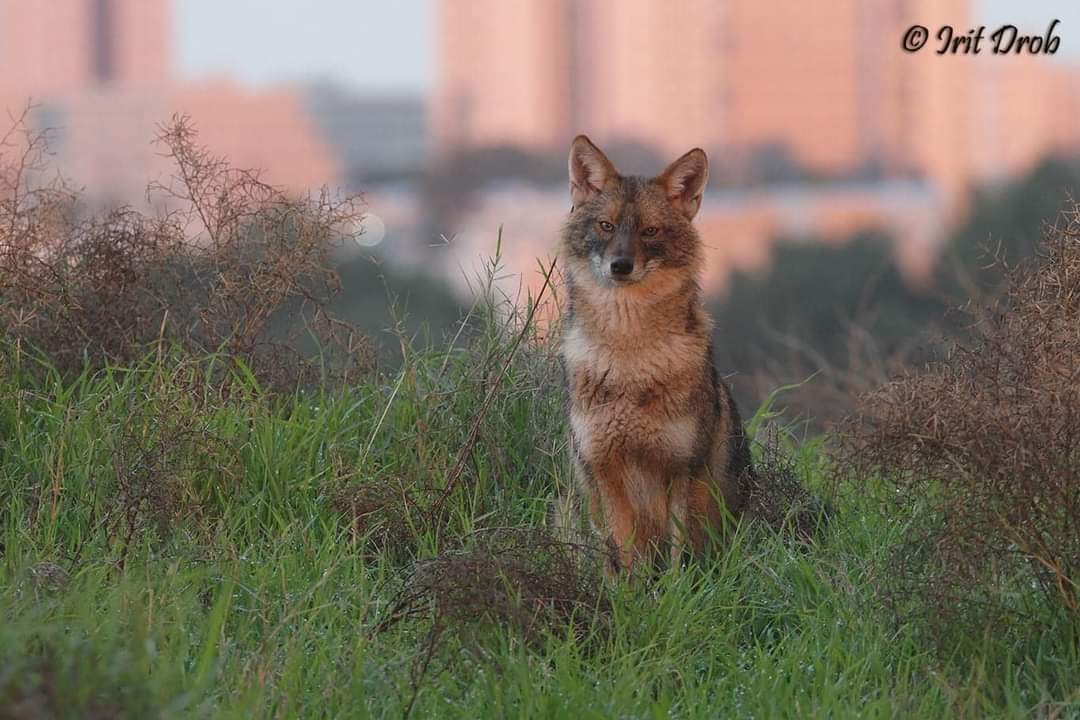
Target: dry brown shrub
[[987, 441], [388, 516], [522, 579], [47, 684], [230, 264], [166, 458], [778, 497]]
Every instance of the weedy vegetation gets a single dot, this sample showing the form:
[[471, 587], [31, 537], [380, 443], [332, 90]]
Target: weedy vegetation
[[191, 527], [232, 265], [983, 447]]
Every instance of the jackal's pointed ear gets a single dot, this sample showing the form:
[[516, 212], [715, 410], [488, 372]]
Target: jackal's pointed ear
[[684, 181], [590, 170]]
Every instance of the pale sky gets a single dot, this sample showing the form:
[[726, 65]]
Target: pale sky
[[388, 45], [378, 45]]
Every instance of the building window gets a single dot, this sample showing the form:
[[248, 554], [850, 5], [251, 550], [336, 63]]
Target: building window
[[101, 44]]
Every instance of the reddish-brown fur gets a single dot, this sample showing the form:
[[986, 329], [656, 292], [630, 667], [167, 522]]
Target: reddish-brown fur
[[658, 445]]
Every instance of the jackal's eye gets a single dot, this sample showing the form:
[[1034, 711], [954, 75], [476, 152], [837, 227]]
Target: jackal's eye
[[650, 231], [606, 226]]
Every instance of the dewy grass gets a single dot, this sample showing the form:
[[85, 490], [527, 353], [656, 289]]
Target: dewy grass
[[265, 590], [988, 437]]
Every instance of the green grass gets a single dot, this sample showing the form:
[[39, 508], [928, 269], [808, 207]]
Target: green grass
[[211, 575]]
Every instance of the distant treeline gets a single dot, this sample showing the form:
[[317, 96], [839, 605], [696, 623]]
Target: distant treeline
[[844, 311]]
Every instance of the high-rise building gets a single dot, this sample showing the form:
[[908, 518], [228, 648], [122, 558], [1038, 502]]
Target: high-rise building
[[825, 88], [98, 74], [502, 72], [638, 67], [67, 45]]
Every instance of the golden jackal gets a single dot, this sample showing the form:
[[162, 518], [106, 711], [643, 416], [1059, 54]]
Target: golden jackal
[[658, 445]]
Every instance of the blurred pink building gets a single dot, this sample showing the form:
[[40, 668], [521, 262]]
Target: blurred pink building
[[99, 73], [826, 84]]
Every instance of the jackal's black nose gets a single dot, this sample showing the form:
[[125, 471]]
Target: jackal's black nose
[[622, 266]]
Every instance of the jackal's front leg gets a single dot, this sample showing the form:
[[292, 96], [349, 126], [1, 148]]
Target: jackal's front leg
[[609, 512], [635, 508]]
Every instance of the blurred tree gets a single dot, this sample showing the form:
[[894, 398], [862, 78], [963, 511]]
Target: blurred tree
[[1007, 219], [846, 310], [424, 304], [449, 185], [812, 298], [634, 157], [841, 313], [773, 163]]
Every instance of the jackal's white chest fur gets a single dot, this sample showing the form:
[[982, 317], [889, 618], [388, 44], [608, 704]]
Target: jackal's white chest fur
[[632, 394]]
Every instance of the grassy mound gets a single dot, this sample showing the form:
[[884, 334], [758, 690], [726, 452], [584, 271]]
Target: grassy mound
[[193, 535], [171, 549]]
